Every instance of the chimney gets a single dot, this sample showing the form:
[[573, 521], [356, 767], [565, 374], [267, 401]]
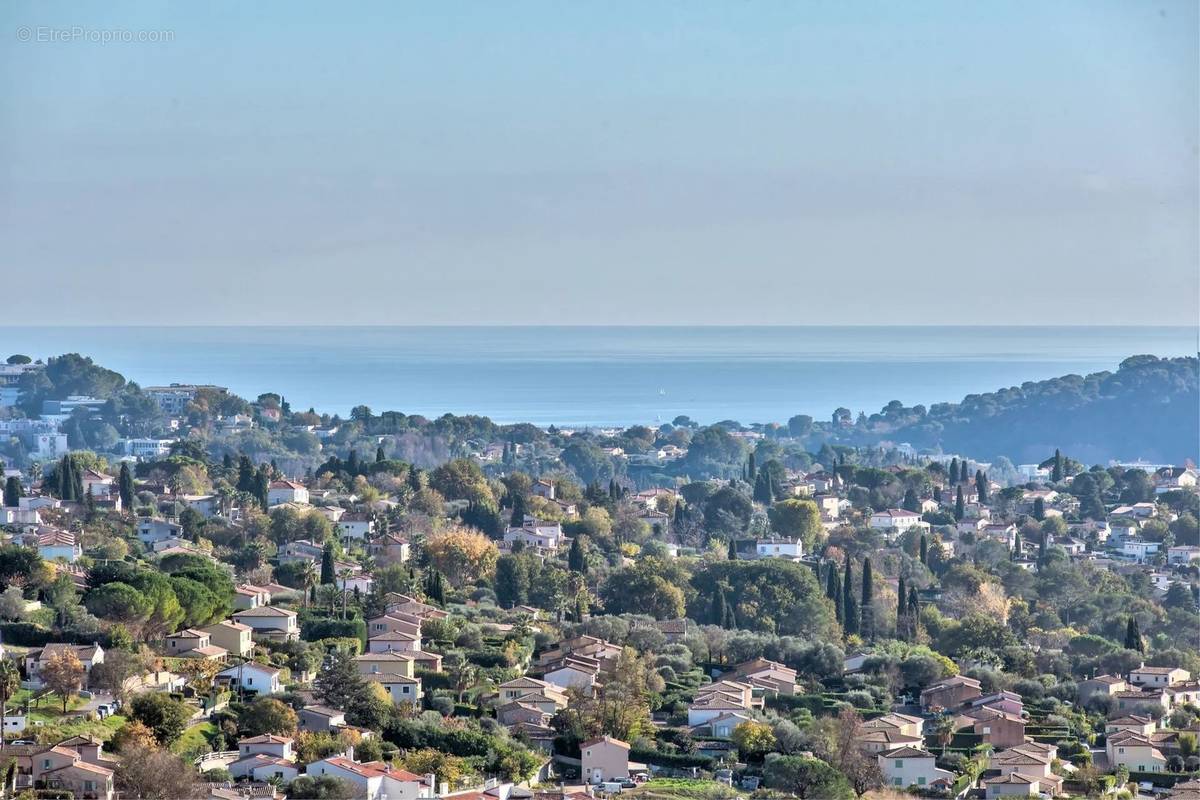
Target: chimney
[[350, 752]]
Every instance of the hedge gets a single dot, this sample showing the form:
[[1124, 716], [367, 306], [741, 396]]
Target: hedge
[[676, 760]]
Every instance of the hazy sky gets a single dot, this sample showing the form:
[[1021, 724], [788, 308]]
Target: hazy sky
[[600, 162]]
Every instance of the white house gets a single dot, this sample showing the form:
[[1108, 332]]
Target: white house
[[251, 677], [897, 520], [375, 779], [780, 547], [55, 543], [356, 526], [281, 492], [154, 530], [911, 766]]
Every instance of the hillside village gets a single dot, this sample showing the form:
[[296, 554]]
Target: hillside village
[[205, 596]]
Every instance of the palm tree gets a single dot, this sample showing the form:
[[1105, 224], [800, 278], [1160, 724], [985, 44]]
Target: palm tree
[[308, 578], [10, 682], [944, 728]]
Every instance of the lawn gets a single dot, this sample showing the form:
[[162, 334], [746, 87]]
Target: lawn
[[196, 740], [682, 789]]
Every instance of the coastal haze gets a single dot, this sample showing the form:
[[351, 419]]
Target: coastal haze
[[581, 376]]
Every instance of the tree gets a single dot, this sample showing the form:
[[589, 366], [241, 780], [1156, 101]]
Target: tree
[[1056, 474], [10, 683], [512, 581], [850, 616], [901, 615], [125, 487], [833, 591], [924, 550], [981, 486], [462, 555], [162, 714], [150, 773], [267, 715], [753, 739], [953, 471], [1039, 509], [645, 588], [796, 518], [868, 601], [807, 778], [12, 491], [577, 557], [63, 674], [322, 787], [338, 680], [1133, 636], [960, 506], [328, 571], [768, 595], [911, 501]]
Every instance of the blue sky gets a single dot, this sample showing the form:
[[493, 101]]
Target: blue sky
[[520, 162]]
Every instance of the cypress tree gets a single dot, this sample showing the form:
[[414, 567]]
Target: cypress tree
[[12, 491], [1043, 545], [1056, 474], [1039, 509], [76, 480], [962, 471], [954, 470], [960, 506], [914, 613], [901, 616], [720, 607], [850, 623], [751, 468], [328, 575], [246, 476], [1133, 636], [911, 501], [414, 480], [125, 487], [981, 486], [924, 550], [352, 464], [868, 598], [577, 558], [1016, 550], [833, 590], [262, 487], [379, 456], [732, 553]]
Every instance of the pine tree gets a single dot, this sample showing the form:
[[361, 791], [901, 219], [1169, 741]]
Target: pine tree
[[1133, 636], [125, 487], [1056, 474], [850, 621], [12, 491], [833, 590], [328, 574], [981, 486], [960, 506], [924, 552], [901, 616], [868, 601]]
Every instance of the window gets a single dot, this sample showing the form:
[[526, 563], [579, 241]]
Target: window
[[920, 780], [899, 763]]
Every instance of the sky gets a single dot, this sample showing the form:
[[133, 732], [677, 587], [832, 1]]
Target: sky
[[736, 162]]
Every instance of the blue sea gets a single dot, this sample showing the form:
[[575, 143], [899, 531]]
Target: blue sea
[[594, 376]]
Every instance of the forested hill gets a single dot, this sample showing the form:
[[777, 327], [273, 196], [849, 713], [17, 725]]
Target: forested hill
[[1148, 409]]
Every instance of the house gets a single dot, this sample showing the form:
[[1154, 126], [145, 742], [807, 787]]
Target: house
[[1009, 702], [950, 692], [1106, 685], [267, 744], [264, 768], [97, 484], [64, 769], [234, 637], [1153, 677], [53, 543], [780, 547], [388, 663], [389, 549], [357, 526], [912, 766], [895, 521], [270, 623], [723, 725], [402, 689], [1139, 549], [573, 671], [191, 643], [1134, 751], [544, 488], [398, 641], [1132, 723], [280, 492], [376, 780], [995, 727], [249, 596], [1032, 760], [320, 718], [904, 724], [1182, 554], [604, 759], [1013, 784], [251, 678], [153, 530], [881, 740], [767, 677], [535, 533], [88, 655], [1135, 700]]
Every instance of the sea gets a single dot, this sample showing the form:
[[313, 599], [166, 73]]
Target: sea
[[604, 376]]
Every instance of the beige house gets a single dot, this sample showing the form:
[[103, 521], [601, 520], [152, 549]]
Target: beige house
[[233, 636], [912, 766], [604, 759], [390, 663], [270, 623]]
